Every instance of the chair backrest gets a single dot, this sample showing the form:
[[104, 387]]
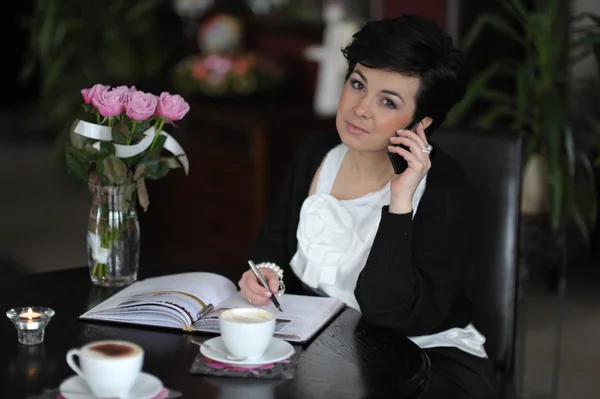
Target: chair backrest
[[492, 161]]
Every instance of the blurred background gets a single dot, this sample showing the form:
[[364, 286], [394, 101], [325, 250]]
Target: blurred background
[[243, 66]]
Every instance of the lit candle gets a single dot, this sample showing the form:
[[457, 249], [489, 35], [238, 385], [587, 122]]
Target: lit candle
[[30, 319], [30, 323], [30, 314]]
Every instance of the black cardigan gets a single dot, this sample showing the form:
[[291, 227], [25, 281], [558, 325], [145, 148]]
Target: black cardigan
[[414, 277]]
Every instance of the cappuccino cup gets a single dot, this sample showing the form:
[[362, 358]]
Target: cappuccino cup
[[247, 331], [110, 368]]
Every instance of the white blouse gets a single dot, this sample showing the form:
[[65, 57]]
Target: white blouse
[[334, 241]]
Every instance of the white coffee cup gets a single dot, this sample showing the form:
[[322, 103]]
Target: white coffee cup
[[110, 368], [247, 331]]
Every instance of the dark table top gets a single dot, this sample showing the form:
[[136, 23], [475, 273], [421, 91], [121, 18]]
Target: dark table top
[[348, 359]]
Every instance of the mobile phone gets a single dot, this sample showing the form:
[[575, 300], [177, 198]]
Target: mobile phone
[[398, 162]]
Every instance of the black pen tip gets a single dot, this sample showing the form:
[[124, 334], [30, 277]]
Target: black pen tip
[[279, 307]]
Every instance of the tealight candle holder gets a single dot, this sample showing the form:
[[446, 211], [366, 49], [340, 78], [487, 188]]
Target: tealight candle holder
[[30, 323]]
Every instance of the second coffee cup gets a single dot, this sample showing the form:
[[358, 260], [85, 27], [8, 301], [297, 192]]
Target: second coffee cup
[[247, 332], [110, 368]]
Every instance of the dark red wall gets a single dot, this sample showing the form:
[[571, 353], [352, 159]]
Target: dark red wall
[[435, 9]]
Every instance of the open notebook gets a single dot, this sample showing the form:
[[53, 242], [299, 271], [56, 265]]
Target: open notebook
[[193, 301]]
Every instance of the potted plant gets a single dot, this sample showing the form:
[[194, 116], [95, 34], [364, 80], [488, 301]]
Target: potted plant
[[115, 146], [558, 178]]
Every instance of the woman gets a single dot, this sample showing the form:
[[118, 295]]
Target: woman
[[346, 225]]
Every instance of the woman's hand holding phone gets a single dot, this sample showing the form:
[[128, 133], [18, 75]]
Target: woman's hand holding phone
[[404, 185]]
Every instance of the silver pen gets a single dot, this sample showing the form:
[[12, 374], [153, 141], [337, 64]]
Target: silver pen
[[209, 308], [264, 283]]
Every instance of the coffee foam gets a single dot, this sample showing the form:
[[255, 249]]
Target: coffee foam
[[247, 315], [112, 350]]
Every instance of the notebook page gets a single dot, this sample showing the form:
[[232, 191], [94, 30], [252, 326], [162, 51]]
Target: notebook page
[[179, 290], [302, 315]]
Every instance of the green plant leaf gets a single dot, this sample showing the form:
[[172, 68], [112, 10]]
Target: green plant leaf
[[494, 21], [141, 127], [141, 9], [160, 142], [107, 148], [155, 169], [569, 153], [520, 10], [142, 191], [78, 141], [490, 118], [120, 133], [476, 89], [27, 71], [139, 171], [76, 167], [497, 97], [100, 167], [521, 108], [91, 151], [115, 170], [554, 125], [46, 37]]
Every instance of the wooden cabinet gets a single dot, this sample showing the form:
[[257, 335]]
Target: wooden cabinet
[[238, 156]]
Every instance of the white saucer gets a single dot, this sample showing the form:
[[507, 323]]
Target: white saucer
[[146, 386], [277, 350]]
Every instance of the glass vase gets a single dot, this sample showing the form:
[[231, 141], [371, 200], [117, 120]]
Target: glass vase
[[113, 238]]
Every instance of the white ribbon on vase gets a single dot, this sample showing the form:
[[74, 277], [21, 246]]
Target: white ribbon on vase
[[104, 133]]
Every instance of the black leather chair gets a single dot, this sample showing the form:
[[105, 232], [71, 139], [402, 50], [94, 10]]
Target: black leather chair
[[492, 161]]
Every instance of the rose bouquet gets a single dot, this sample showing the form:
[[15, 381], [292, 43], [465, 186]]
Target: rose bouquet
[[115, 146]]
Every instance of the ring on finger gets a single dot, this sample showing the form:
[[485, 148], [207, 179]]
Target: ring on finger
[[428, 149]]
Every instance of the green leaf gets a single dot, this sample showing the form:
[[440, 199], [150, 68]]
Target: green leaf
[[82, 155], [141, 127], [29, 67], [78, 141], [160, 142], [553, 124], [476, 89], [47, 27], [570, 153], [155, 169], [141, 9], [495, 21], [107, 148], [522, 96], [139, 171], [76, 167], [100, 167], [142, 191], [491, 118], [54, 72], [91, 151], [115, 170], [120, 133], [520, 9]]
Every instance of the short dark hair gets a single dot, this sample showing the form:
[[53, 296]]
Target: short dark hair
[[414, 46]]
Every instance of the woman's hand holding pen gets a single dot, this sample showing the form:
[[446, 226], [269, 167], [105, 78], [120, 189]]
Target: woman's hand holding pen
[[253, 291], [404, 185]]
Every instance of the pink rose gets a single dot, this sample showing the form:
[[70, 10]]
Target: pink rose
[[111, 102], [141, 106], [172, 107], [90, 94], [131, 89]]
